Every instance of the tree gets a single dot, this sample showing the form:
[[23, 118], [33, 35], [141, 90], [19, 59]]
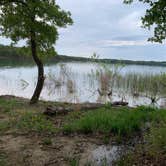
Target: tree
[[155, 17], [35, 21]]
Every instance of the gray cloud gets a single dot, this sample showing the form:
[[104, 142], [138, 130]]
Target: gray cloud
[[110, 28]]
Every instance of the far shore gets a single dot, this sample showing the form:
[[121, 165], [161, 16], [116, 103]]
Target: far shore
[[12, 56]]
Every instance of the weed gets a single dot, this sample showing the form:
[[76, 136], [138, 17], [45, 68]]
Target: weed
[[106, 140], [121, 122], [155, 150], [73, 162], [3, 159], [47, 141], [35, 122], [8, 105], [4, 125], [157, 140]]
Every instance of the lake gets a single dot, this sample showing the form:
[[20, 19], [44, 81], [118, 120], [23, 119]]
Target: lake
[[74, 82]]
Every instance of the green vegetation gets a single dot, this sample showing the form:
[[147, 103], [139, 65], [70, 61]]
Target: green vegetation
[[3, 159], [47, 141], [110, 82], [121, 122], [152, 152], [156, 139], [38, 26], [35, 123], [154, 18], [151, 86], [4, 125], [24, 117], [73, 162], [9, 52], [14, 56], [28, 122], [9, 105]]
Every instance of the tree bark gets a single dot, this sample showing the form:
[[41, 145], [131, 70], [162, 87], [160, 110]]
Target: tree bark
[[40, 81]]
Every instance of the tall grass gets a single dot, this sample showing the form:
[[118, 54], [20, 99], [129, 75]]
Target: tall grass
[[121, 122], [153, 150], [146, 85]]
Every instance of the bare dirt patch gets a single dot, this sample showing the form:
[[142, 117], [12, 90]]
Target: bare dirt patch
[[31, 151]]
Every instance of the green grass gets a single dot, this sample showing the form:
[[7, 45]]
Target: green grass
[[3, 159], [7, 106], [47, 141], [157, 140], [24, 117], [120, 121], [73, 162], [36, 122], [4, 125], [154, 149]]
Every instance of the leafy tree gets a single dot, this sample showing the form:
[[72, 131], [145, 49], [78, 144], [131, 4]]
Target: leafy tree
[[155, 17], [35, 21]]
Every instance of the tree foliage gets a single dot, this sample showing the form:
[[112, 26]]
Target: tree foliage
[[155, 17], [19, 17], [35, 21]]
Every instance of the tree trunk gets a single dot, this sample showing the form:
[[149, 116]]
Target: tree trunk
[[40, 67]]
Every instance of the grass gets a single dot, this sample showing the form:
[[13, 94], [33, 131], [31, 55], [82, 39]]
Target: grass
[[153, 151], [29, 122], [23, 116], [73, 162], [4, 125], [121, 122], [154, 148], [7, 106], [157, 140], [35, 122], [3, 159], [47, 141]]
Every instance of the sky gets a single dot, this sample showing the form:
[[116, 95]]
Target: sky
[[109, 28]]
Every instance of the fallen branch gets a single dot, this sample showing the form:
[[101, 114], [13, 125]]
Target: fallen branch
[[63, 110]]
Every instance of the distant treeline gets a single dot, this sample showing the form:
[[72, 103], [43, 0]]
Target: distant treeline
[[7, 51], [10, 56], [113, 61]]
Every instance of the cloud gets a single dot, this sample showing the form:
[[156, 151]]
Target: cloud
[[120, 43], [108, 27], [131, 21]]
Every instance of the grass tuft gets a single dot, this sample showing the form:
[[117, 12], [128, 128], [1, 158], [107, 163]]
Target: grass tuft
[[157, 140], [7, 106], [121, 121], [3, 159], [35, 122], [4, 125]]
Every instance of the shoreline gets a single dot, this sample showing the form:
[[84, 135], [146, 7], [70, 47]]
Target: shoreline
[[28, 136]]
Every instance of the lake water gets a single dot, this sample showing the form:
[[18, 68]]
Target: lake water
[[69, 82]]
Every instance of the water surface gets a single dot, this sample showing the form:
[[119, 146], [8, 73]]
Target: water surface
[[69, 82]]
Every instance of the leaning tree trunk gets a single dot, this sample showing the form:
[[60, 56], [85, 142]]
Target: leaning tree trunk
[[40, 81]]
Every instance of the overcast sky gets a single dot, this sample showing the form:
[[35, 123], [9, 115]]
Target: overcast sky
[[109, 28]]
